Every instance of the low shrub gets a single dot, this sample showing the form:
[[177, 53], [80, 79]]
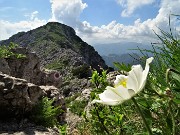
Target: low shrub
[[77, 106], [81, 71], [45, 114]]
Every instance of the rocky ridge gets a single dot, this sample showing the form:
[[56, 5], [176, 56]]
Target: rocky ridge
[[22, 84], [58, 47]]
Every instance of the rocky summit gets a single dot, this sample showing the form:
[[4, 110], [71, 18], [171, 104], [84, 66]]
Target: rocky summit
[[59, 48], [57, 64]]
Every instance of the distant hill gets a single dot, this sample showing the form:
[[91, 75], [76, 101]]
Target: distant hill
[[120, 48], [124, 58], [122, 52], [59, 48]]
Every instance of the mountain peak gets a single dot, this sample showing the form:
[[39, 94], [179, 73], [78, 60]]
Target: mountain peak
[[55, 26], [58, 47]]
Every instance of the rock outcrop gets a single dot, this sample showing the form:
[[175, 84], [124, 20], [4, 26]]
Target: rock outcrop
[[18, 97], [29, 68], [22, 85], [25, 127]]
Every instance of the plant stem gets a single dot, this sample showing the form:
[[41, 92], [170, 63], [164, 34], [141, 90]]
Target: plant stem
[[102, 123], [172, 117], [142, 116]]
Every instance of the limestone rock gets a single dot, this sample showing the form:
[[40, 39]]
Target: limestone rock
[[29, 68], [85, 95], [18, 97], [111, 76], [74, 86], [25, 127], [4, 66]]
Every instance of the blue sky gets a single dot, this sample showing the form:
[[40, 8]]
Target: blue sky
[[18, 10], [95, 21], [101, 12]]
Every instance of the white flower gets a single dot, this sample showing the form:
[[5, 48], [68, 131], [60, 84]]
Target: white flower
[[125, 86]]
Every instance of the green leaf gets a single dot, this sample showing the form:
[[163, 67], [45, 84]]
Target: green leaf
[[122, 66], [145, 133], [176, 76], [176, 100], [169, 122], [143, 103]]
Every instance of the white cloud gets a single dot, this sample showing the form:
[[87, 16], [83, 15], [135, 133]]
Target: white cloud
[[10, 28], [34, 14], [138, 32], [131, 5], [67, 11], [116, 32]]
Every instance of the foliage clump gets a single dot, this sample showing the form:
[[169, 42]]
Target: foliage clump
[[6, 51], [82, 71], [45, 113], [77, 106]]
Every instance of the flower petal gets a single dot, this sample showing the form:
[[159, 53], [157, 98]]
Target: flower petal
[[124, 92], [135, 78], [119, 78], [115, 96], [110, 94], [111, 102], [145, 72]]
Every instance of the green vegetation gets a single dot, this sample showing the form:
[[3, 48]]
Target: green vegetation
[[77, 106], [82, 71], [6, 51], [57, 64], [45, 114], [70, 99]]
